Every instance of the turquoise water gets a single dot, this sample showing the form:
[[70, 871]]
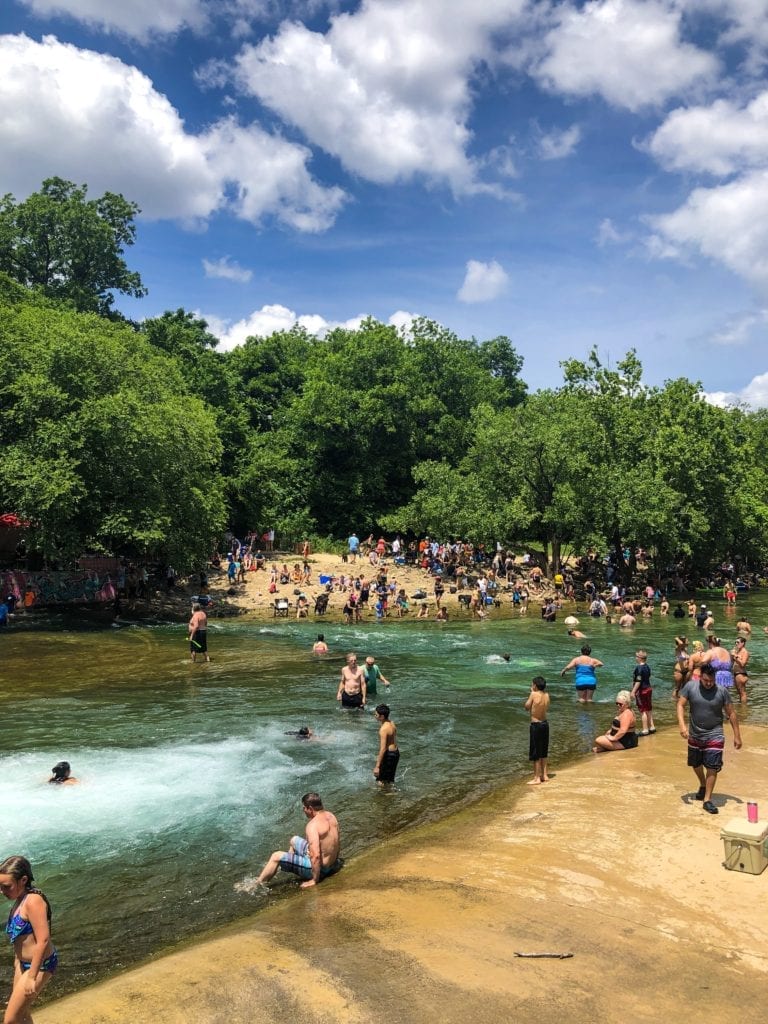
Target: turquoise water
[[189, 781]]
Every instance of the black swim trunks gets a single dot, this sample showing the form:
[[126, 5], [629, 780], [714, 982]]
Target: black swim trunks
[[199, 642], [539, 741], [389, 766], [351, 700]]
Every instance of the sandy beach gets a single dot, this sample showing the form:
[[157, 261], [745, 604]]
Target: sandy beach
[[252, 598], [611, 861]]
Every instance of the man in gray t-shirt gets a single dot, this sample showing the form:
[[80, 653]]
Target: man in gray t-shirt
[[708, 705]]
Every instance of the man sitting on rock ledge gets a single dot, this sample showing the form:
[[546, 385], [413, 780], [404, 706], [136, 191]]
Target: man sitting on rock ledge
[[315, 857]]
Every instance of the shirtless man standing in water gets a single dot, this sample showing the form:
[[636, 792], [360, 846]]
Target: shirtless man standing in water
[[389, 752], [315, 857], [198, 633], [538, 705], [352, 686]]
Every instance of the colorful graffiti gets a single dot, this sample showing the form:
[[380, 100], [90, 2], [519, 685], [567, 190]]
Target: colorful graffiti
[[42, 588]]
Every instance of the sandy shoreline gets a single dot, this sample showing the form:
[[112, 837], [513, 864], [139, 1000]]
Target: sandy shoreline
[[253, 599], [611, 861]]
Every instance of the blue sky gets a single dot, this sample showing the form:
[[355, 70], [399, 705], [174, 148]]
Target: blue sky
[[568, 174]]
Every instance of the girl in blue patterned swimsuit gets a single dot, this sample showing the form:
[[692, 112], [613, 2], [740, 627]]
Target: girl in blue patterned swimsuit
[[29, 929]]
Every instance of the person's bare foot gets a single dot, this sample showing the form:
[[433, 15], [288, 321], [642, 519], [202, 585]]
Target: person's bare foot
[[534, 782], [545, 779]]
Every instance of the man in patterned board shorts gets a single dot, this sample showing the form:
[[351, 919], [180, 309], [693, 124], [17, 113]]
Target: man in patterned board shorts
[[708, 705], [315, 857]]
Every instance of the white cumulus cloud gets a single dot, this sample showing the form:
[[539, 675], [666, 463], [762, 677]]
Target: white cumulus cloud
[[557, 144], [754, 394], [387, 88], [402, 320], [271, 319], [720, 139], [743, 22], [269, 174], [630, 52], [229, 269], [135, 18], [91, 118], [727, 224], [482, 281]]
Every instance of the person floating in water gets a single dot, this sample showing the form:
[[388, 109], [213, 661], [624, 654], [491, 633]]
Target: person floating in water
[[29, 929], [389, 752], [62, 774], [320, 646], [313, 858], [304, 733]]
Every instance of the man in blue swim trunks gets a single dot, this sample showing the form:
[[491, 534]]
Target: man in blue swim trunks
[[315, 857]]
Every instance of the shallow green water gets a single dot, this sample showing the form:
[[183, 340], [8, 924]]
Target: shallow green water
[[189, 781]]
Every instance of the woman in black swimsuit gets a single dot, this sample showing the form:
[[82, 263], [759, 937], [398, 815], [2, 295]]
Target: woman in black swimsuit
[[622, 734]]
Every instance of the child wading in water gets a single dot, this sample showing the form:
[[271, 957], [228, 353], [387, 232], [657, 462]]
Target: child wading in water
[[643, 692], [538, 751]]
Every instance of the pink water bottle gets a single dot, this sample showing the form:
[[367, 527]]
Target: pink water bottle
[[752, 811]]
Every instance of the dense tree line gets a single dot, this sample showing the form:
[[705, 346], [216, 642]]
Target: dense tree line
[[607, 462], [144, 439]]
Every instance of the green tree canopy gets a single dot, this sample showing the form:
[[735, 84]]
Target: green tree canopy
[[103, 448], [605, 460], [68, 246]]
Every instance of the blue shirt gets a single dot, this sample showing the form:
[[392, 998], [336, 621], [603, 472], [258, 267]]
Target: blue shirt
[[642, 675]]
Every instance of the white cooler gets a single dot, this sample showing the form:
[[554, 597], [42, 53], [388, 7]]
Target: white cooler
[[746, 845]]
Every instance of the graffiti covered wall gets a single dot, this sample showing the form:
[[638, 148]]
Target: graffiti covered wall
[[42, 588]]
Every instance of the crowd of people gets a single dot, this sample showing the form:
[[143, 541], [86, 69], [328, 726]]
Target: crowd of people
[[703, 684], [704, 678], [317, 854]]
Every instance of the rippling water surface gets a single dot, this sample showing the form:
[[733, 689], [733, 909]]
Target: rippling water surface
[[189, 781]]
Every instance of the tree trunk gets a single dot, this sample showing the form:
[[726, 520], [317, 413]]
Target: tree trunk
[[626, 569], [555, 542]]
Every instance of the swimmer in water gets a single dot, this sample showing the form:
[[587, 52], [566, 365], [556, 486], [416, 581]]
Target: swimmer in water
[[577, 633], [62, 774], [320, 646], [304, 733]]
